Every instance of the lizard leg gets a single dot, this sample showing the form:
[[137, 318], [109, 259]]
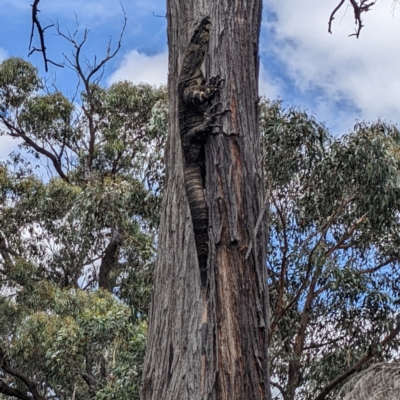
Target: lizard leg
[[200, 132], [199, 94]]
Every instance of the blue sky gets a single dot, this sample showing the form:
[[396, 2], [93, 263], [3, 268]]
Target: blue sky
[[336, 77]]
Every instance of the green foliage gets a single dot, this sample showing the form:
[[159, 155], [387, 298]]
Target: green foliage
[[334, 246], [92, 221], [18, 79], [60, 333], [78, 224], [132, 144], [49, 116], [362, 167]]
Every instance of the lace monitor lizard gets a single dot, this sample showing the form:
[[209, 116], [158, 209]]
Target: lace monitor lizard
[[196, 120]]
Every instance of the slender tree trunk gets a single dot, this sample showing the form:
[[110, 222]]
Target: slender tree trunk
[[235, 364], [109, 260]]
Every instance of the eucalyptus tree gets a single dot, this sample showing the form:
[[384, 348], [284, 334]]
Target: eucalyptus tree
[[228, 359], [78, 214], [332, 259], [233, 362], [333, 256]]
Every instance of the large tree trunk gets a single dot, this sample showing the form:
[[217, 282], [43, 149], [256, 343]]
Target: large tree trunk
[[235, 365]]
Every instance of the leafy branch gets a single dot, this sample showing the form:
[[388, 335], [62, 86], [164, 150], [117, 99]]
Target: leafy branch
[[373, 351], [31, 385]]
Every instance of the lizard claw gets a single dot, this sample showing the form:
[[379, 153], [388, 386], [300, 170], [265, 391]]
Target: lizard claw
[[213, 109], [214, 80], [214, 83], [217, 80], [209, 119]]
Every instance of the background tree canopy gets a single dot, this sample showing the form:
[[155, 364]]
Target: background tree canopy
[[78, 224], [333, 256], [78, 215]]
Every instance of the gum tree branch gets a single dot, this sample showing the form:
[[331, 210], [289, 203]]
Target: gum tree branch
[[17, 133], [31, 385], [40, 30], [9, 391], [356, 367]]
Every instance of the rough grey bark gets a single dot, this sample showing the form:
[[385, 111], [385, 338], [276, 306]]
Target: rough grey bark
[[109, 260], [235, 362]]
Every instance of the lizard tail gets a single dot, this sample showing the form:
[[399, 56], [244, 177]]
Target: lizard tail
[[198, 209]]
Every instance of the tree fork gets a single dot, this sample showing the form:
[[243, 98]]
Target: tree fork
[[235, 360]]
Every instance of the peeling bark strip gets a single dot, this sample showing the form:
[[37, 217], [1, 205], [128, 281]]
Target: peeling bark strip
[[232, 314]]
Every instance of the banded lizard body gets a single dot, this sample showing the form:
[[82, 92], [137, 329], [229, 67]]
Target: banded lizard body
[[196, 120]]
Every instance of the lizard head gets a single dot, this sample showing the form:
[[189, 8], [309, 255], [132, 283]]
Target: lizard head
[[195, 52], [202, 33]]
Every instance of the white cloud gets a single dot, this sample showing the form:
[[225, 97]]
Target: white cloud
[[361, 71], [268, 85], [139, 67], [7, 145], [3, 54]]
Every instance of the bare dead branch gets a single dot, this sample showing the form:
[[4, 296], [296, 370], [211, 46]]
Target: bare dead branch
[[332, 17], [159, 16], [76, 62], [40, 31], [88, 76], [359, 8]]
